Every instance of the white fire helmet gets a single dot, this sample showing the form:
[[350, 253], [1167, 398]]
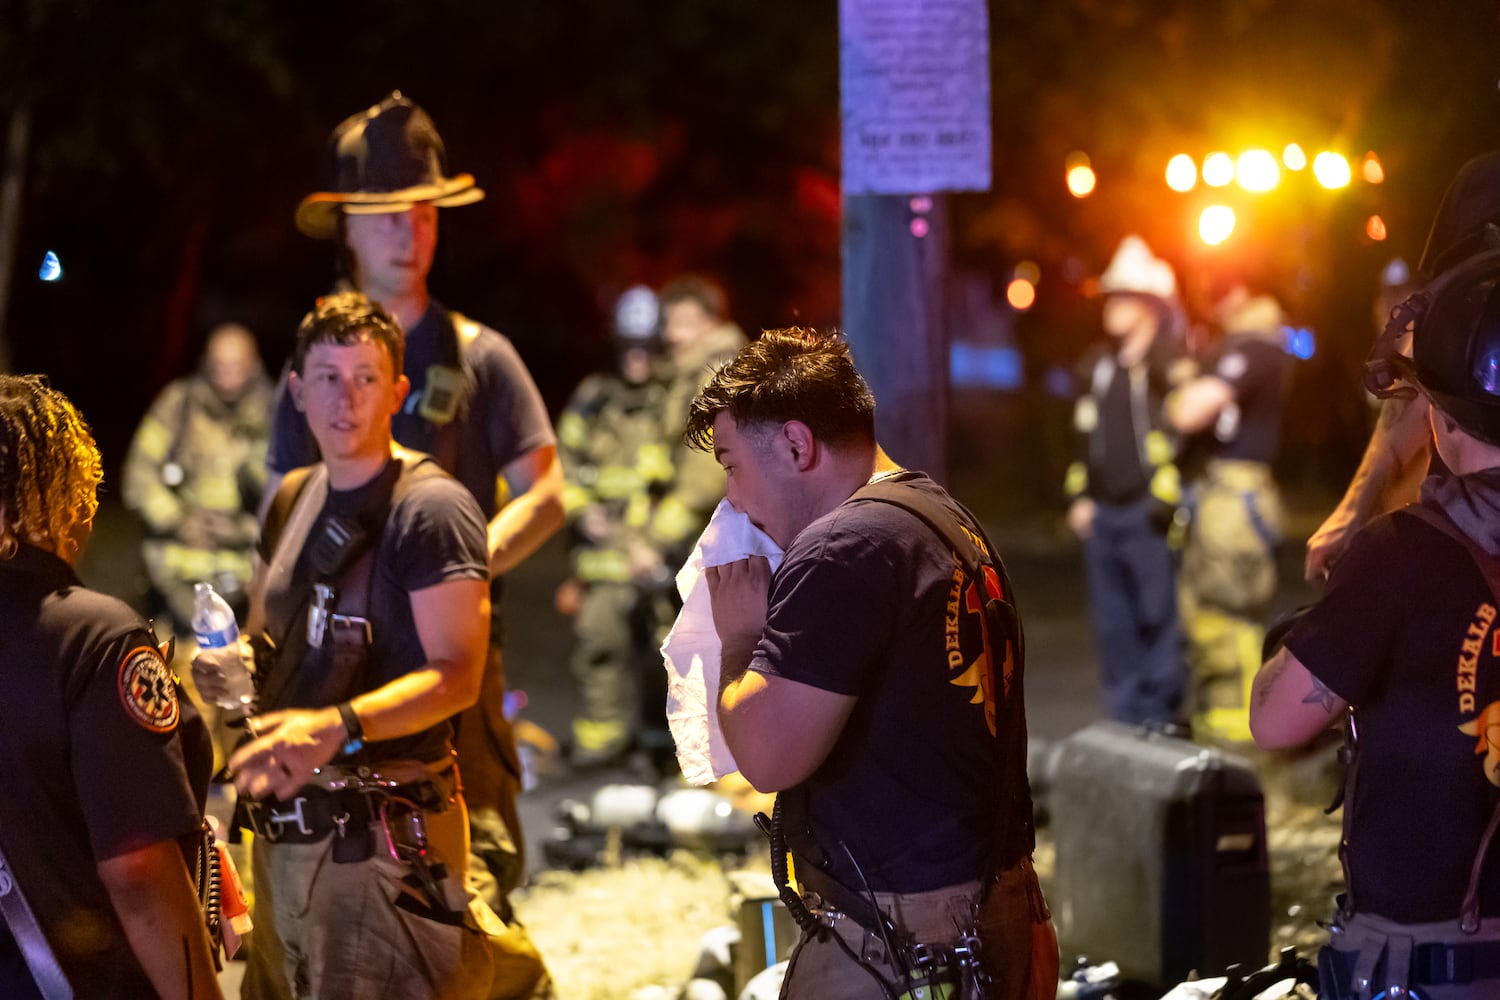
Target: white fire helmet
[[1134, 269]]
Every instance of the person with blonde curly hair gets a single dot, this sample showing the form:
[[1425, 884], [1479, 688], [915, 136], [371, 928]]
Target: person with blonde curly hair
[[49, 470], [106, 761]]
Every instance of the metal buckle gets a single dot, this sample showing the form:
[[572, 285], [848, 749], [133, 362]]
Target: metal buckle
[[342, 624], [317, 613], [925, 956], [280, 819]]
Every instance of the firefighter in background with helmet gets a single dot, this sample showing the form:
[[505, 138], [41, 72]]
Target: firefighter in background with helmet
[[195, 471], [1403, 640], [699, 337], [1125, 488], [617, 463]]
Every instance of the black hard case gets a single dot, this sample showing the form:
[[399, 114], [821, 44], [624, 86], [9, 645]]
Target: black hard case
[[1161, 855]]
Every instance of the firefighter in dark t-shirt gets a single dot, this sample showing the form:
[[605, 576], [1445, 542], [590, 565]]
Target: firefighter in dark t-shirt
[[106, 761], [1228, 574], [1405, 636], [373, 646], [856, 684]]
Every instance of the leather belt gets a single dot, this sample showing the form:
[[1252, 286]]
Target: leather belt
[[307, 819], [354, 803]]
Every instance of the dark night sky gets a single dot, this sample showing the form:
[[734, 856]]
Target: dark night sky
[[626, 142]]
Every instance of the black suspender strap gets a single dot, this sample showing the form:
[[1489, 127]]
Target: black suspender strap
[[22, 922], [1015, 830], [302, 500], [445, 444]]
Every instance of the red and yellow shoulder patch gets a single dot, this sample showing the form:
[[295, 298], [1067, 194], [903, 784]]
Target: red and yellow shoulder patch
[[148, 691]]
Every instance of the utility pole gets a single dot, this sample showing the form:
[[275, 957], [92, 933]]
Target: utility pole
[[896, 320], [914, 102]]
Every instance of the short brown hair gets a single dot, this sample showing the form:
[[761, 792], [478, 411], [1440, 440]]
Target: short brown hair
[[790, 374], [346, 318]]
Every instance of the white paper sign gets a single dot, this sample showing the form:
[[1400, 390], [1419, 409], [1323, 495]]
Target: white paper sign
[[914, 80]]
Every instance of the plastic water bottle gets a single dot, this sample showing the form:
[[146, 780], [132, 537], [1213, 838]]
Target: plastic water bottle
[[215, 628]]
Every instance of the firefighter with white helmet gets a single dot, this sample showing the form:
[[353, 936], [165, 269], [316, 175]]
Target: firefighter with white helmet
[[1125, 487]]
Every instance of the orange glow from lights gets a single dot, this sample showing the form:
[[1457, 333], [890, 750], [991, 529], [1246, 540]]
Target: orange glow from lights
[[1293, 158], [1021, 294], [1375, 228], [1081, 180], [1028, 271], [1218, 169], [1374, 173], [1182, 173], [1215, 224]]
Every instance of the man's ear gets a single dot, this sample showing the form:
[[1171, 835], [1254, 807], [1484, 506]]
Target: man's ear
[[402, 389], [800, 441], [296, 387]]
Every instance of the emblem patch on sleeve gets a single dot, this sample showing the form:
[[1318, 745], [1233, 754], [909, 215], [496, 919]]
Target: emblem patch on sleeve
[[147, 690]]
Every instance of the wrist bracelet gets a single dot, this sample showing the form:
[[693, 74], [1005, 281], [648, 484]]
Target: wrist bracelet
[[354, 731]]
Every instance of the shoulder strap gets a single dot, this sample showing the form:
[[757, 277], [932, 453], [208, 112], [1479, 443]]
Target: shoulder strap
[[294, 511], [179, 431], [1005, 647], [1489, 565], [281, 506], [444, 444], [17, 916], [466, 329], [972, 548]]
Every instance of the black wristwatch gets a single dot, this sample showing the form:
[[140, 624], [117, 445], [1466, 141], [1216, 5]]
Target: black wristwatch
[[354, 732]]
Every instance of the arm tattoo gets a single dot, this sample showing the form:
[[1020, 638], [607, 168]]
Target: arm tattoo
[[1320, 696], [1266, 680]]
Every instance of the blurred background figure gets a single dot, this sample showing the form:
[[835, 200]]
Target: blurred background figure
[[1228, 574], [1125, 488], [194, 475], [699, 338], [616, 455]]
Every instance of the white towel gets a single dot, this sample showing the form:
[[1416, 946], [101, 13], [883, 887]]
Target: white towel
[[691, 649]]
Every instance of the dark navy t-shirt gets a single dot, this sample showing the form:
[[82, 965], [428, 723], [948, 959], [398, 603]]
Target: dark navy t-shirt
[[1258, 368], [434, 535], [869, 602], [103, 754], [1406, 633]]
